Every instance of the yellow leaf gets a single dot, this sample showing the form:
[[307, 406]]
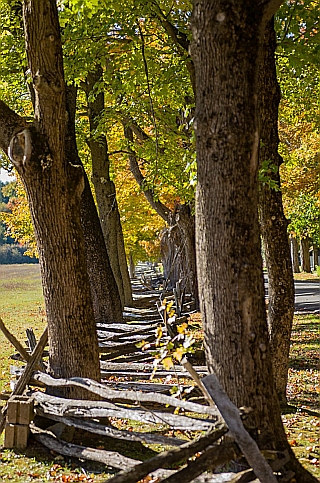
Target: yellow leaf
[[178, 353], [167, 363], [169, 305], [182, 328]]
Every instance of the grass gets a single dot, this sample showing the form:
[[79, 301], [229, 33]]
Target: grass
[[302, 418], [21, 307]]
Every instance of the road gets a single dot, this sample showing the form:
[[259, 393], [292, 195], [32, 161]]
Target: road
[[307, 299], [307, 296]]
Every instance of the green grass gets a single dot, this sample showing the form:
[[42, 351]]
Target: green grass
[[21, 307]]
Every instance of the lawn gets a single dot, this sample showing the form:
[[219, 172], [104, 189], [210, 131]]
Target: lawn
[[21, 307]]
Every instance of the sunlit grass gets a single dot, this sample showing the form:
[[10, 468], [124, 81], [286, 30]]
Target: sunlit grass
[[21, 307]]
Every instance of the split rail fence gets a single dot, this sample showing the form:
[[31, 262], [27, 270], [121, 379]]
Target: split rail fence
[[210, 422]]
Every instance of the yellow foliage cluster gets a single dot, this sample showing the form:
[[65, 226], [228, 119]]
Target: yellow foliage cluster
[[300, 172]]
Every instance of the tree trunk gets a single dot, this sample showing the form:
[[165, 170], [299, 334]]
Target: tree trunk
[[294, 248], [227, 36], [273, 221], [105, 191], [315, 258], [132, 268], [305, 255], [54, 189], [228, 235], [178, 251], [172, 257], [104, 291]]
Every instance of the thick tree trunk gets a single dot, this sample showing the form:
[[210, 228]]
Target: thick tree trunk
[[294, 249], [228, 235], [305, 255], [273, 221], [106, 193], [54, 190], [186, 223], [123, 263], [104, 291], [106, 300], [227, 37]]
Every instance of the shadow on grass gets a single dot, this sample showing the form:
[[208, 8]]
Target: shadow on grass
[[288, 409]]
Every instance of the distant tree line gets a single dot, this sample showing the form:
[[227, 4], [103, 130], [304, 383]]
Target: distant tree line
[[10, 251]]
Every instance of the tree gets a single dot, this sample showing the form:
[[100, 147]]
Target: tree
[[105, 188], [147, 89], [133, 53], [227, 41], [54, 189], [104, 291], [272, 219], [18, 222], [298, 67], [106, 301], [178, 240]]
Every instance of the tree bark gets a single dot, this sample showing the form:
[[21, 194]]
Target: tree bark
[[132, 268], [273, 221], [54, 189], [106, 192], [226, 47], [106, 301], [305, 255], [294, 248], [178, 250]]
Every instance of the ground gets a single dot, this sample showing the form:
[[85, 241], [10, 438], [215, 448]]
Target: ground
[[21, 307]]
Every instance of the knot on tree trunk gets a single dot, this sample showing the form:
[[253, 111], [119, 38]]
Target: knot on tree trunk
[[28, 147], [20, 148]]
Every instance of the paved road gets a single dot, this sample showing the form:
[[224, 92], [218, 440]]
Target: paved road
[[307, 296]]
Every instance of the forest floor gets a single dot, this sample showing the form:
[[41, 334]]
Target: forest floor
[[21, 307]]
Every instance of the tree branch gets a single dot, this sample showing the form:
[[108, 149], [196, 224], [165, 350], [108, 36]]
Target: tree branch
[[271, 7], [179, 38], [136, 129], [10, 124], [159, 207]]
